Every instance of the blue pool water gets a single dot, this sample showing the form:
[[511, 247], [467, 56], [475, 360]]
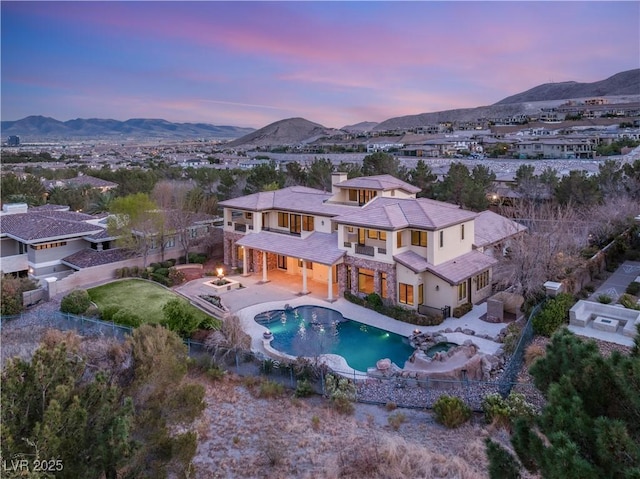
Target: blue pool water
[[314, 330]]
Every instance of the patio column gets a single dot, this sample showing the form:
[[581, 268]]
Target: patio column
[[245, 262], [304, 277], [330, 283], [264, 267]]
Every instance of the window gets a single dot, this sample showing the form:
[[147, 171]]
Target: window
[[482, 280], [361, 234], [309, 264], [353, 195], [418, 238], [462, 291], [193, 232], [382, 235], [348, 273], [307, 223], [405, 293], [462, 232], [294, 223], [248, 215], [171, 242], [283, 220], [399, 239], [239, 253], [365, 281], [349, 229], [265, 220], [421, 293], [282, 261], [48, 245], [372, 234], [441, 239]]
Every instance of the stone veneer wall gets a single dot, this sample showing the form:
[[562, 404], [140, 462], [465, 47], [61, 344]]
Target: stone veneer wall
[[377, 267], [229, 248]]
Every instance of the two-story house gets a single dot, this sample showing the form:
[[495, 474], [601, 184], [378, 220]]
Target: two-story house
[[369, 234]]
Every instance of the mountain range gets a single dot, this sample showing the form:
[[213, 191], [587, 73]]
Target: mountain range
[[625, 86]]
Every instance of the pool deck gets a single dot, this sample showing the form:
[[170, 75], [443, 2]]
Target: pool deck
[[256, 297]]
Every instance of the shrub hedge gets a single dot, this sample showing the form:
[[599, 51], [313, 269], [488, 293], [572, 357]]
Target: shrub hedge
[[76, 302]]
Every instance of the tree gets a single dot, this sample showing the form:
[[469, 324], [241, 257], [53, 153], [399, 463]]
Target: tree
[[481, 180], [262, 175], [452, 188], [610, 179], [380, 164], [295, 174], [53, 407], [353, 170], [527, 184], [590, 426], [12, 288], [578, 188], [230, 185], [319, 174], [179, 317], [21, 190], [423, 177], [165, 403], [136, 222]]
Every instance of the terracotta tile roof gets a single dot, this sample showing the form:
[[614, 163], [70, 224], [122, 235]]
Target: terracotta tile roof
[[299, 199], [453, 271], [398, 213], [79, 181], [491, 228], [88, 257], [46, 225], [379, 183], [317, 247]]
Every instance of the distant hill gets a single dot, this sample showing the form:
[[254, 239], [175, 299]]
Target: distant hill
[[292, 131], [625, 83], [623, 86], [35, 128], [360, 127]]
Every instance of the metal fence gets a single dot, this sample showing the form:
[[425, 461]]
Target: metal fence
[[408, 392]]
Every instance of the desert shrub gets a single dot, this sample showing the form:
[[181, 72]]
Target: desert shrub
[[109, 311], [11, 297], [270, 389], [175, 276], [502, 464], [134, 271], [604, 299], [341, 392], [533, 352], [126, 317], [159, 278], [374, 301], [511, 337], [118, 273], [461, 310], [451, 411], [76, 302], [162, 271], [315, 422], [197, 258], [633, 289], [554, 313], [215, 372], [303, 389], [629, 301], [304, 368], [391, 406], [396, 420], [505, 412]]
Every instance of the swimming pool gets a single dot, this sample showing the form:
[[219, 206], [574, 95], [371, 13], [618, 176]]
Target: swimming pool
[[313, 330]]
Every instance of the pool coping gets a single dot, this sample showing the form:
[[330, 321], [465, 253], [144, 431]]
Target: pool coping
[[356, 313]]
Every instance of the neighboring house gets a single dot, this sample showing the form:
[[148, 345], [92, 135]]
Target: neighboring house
[[80, 181], [51, 241], [556, 148], [368, 235]]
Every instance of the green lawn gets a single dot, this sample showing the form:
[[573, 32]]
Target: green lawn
[[144, 298]]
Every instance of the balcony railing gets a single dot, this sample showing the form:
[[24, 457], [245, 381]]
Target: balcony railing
[[365, 250], [240, 227], [282, 232], [382, 250], [347, 244]]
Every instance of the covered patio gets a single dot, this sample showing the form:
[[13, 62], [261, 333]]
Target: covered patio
[[286, 257]]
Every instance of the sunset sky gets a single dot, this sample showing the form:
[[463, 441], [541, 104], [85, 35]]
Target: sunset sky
[[335, 63]]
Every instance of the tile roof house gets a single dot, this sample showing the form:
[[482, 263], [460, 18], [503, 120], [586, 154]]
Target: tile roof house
[[81, 181], [368, 235], [52, 241]]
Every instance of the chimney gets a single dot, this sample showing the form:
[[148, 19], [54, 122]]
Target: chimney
[[337, 177]]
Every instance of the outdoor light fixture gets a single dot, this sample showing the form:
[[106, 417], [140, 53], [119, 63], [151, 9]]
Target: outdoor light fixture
[[437, 287], [220, 272], [416, 331]]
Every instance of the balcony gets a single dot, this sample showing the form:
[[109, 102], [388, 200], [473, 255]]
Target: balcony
[[282, 232], [240, 227], [365, 250]]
